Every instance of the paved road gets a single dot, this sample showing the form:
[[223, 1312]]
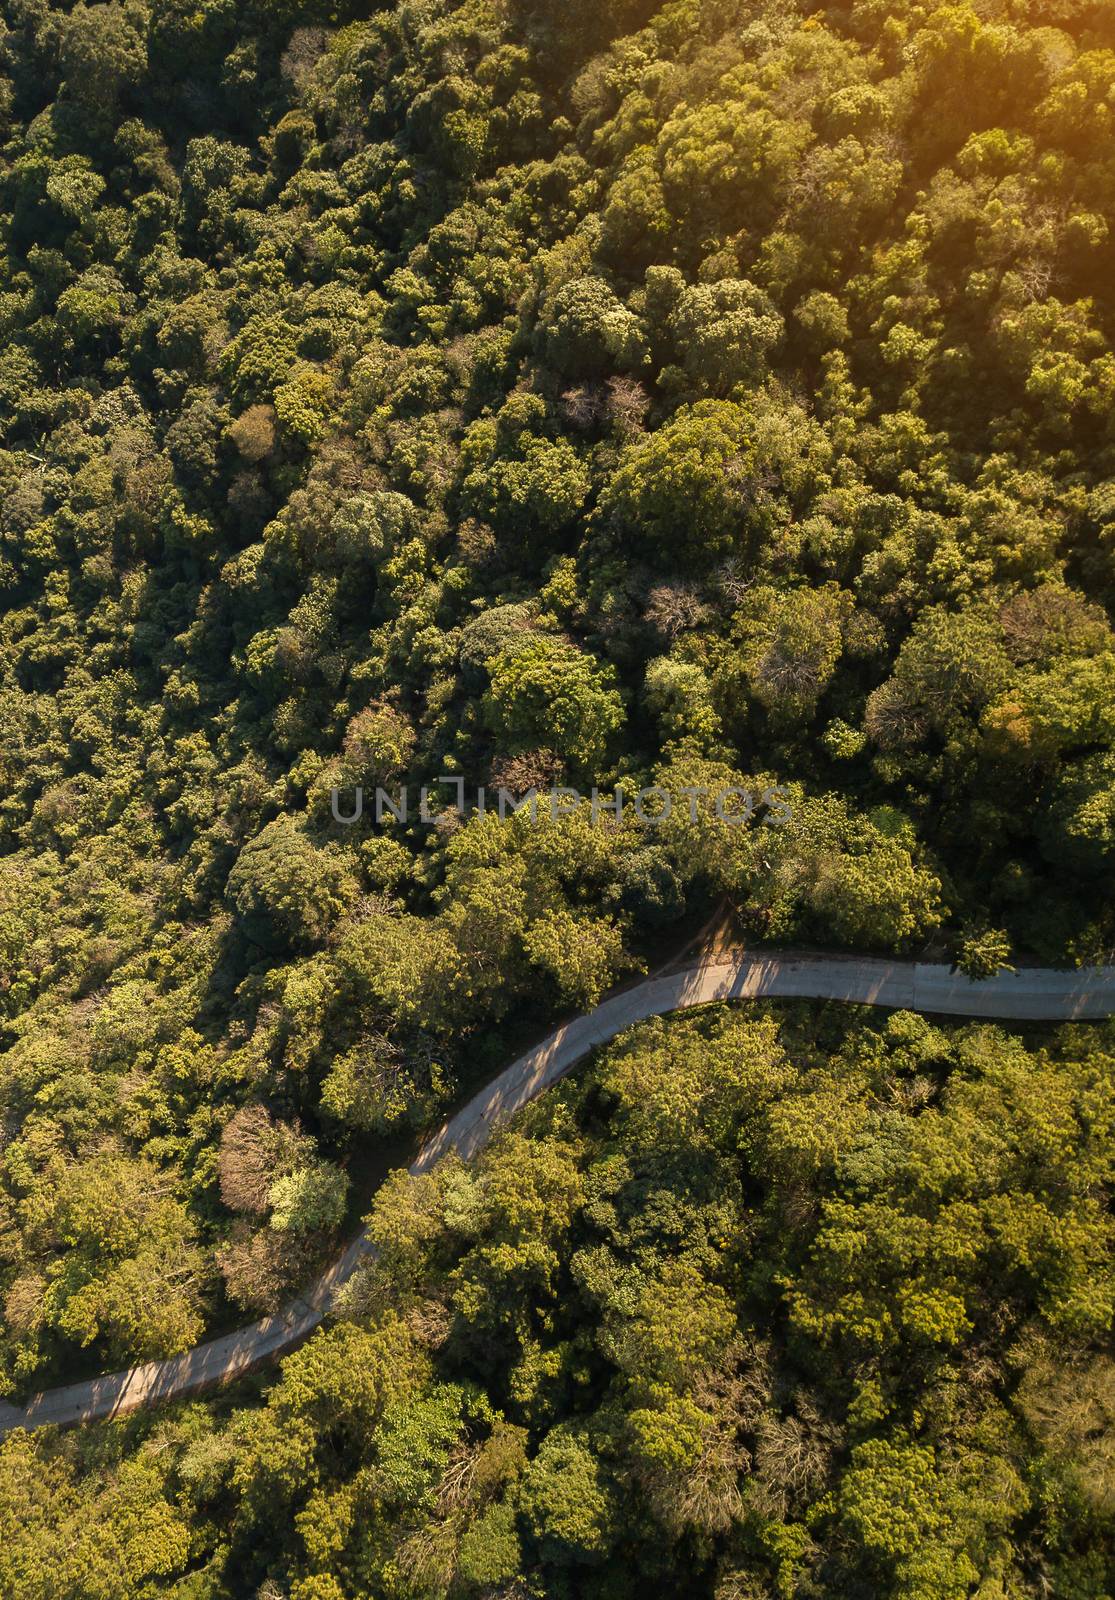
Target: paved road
[[1032, 995]]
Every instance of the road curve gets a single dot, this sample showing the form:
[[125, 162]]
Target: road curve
[[1032, 995]]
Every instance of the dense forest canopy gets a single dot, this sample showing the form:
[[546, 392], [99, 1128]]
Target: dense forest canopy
[[708, 393], [796, 1302]]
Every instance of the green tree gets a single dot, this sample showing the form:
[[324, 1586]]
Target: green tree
[[588, 332], [983, 953], [828, 873], [566, 1501], [581, 955], [102, 50], [309, 1199], [682, 488], [287, 889], [789, 646], [722, 333], [543, 691]]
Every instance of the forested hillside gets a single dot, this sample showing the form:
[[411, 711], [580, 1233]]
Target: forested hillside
[[579, 394], [784, 1303]]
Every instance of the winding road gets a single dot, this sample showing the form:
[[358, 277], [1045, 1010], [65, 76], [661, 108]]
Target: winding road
[[1033, 994]]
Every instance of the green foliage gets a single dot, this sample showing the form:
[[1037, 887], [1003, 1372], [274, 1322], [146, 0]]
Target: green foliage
[[825, 868], [776, 1300], [284, 887], [564, 1502], [789, 647], [524, 395], [984, 953], [544, 692], [589, 332], [723, 331], [681, 488], [309, 1199]]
